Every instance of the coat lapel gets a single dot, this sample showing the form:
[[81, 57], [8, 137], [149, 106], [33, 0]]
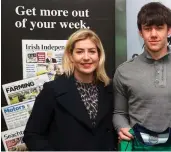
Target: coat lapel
[[105, 101], [71, 101], [69, 98]]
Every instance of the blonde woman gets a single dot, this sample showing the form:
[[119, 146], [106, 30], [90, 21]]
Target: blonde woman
[[74, 112]]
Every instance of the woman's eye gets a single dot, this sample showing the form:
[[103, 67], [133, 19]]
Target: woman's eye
[[92, 51], [79, 52]]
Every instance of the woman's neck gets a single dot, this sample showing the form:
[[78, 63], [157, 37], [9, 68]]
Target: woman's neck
[[84, 78]]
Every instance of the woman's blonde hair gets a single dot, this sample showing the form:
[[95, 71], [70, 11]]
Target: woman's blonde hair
[[82, 34]]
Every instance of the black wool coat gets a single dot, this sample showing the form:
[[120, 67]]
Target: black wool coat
[[59, 120]]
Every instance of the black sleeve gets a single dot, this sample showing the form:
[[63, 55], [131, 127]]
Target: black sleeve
[[35, 134]]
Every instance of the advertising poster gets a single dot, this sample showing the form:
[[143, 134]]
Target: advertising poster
[[33, 36]]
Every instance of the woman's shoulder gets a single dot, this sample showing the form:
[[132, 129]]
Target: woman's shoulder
[[59, 80], [108, 87], [57, 86], [62, 77]]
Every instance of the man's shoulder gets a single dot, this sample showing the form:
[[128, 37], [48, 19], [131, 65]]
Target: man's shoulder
[[129, 63], [129, 67]]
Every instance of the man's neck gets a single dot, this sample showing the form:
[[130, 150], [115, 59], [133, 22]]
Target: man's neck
[[158, 54]]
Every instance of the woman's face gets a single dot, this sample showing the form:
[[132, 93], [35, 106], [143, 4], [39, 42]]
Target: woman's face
[[85, 57]]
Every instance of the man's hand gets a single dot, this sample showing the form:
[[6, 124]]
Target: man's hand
[[124, 134]]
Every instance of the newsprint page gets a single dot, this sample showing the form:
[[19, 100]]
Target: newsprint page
[[42, 56], [20, 96], [24, 90], [12, 139]]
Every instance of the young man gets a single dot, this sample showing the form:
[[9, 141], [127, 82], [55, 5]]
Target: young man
[[143, 84]]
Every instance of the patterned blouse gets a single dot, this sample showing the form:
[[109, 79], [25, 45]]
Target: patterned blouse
[[89, 96]]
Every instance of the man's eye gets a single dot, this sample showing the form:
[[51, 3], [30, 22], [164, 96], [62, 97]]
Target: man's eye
[[147, 28], [159, 27]]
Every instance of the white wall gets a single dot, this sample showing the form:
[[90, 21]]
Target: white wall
[[134, 41]]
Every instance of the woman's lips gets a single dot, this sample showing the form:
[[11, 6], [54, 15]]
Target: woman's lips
[[86, 65]]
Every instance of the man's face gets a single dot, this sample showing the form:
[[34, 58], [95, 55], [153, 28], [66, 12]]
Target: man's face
[[85, 57], [155, 37]]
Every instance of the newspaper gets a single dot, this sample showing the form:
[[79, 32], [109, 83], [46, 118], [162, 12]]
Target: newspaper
[[24, 90], [42, 56], [17, 115], [12, 139]]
